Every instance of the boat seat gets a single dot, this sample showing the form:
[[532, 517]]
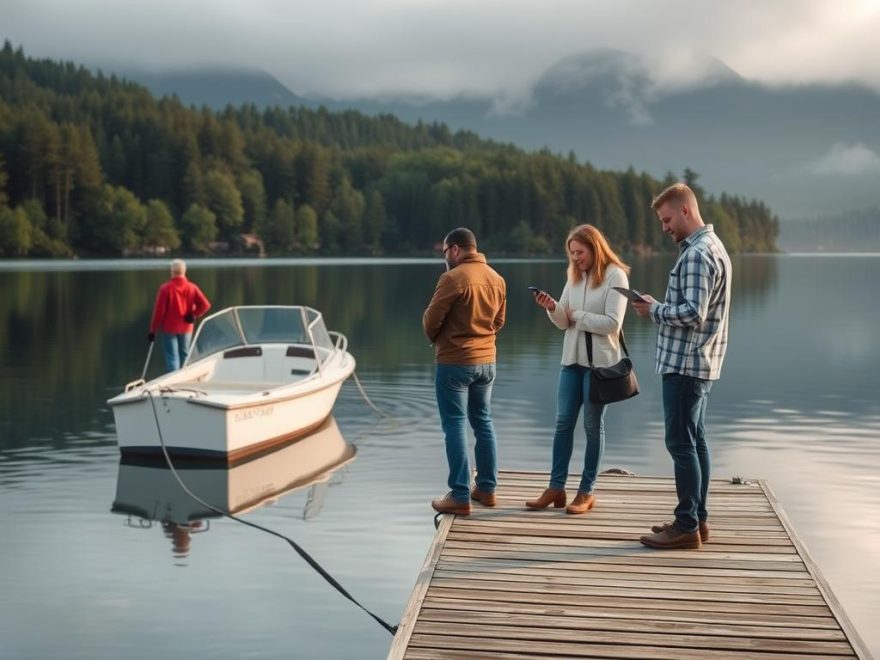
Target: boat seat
[[244, 351], [300, 351]]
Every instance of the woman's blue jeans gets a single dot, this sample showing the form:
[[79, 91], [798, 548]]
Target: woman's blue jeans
[[684, 407], [464, 392], [574, 392], [176, 349]]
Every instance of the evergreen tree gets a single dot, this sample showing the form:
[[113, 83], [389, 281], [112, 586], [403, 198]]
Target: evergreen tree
[[198, 229], [193, 185], [375, 221], [307, 227], [116, 161], [223, 199], [116, 223], [159, 231], [253, 200], [282, 236], [15, 233], [4, 198], [348, 206], [690, 178], [635, 208], [330, 230], [314, 171]]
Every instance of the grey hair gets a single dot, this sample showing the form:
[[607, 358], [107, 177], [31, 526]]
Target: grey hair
[[178, 266]]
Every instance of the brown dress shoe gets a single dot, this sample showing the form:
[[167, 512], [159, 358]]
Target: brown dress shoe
[[554, 496], [704, 529], [484, 498], [448, 505], [581, 503], [672, 538]]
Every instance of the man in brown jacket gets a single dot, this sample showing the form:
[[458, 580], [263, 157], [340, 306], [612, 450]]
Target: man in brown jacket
[[464, 315]]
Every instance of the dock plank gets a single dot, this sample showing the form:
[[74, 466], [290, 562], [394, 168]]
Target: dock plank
[[507, 582]]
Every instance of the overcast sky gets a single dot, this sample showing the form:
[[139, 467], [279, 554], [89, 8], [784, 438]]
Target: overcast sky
[[345, 48]]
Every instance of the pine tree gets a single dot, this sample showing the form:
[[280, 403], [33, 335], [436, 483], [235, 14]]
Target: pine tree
[[223, 199], [198, 229], [15, 233], [159, 231], [4, 198], [281, 236], [307, 227], [375, 220]]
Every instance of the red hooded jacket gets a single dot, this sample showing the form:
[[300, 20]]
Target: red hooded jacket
[[175, 299]]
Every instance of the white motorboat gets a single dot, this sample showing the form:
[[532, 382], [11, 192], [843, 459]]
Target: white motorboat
[[257, 377]]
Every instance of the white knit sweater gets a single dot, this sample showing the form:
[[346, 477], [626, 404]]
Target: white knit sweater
[[599, 311]]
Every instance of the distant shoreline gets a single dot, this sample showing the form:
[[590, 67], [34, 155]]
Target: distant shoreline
[[11, 265]]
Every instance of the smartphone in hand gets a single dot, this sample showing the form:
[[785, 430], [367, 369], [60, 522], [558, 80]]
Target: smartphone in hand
[[535, 290], [632, 294]]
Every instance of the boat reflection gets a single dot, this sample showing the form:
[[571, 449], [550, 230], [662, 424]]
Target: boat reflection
[[148, 493]]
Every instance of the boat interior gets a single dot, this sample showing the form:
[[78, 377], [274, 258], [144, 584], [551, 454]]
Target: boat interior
[[249, 369]]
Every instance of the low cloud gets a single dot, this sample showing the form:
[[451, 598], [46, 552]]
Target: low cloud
[[845, 160], [634, 101], [442, 48]]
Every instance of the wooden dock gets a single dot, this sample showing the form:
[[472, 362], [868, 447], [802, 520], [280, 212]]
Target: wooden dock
[[510, 583]]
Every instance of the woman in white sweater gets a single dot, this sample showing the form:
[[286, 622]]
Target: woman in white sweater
[[587, 304]]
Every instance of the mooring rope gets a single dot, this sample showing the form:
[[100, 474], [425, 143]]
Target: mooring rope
[[360, 387], [302, 553]]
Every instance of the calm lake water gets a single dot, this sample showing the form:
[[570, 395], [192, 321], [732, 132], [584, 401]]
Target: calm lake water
[[797, 405]]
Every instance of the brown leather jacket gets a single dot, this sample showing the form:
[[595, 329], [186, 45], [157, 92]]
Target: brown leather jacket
[[467, 309]]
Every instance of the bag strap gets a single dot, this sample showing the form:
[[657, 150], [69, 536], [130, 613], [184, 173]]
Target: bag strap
[[589, 337]]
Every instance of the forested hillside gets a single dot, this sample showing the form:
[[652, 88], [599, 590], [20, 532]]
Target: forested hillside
[[95, 166]]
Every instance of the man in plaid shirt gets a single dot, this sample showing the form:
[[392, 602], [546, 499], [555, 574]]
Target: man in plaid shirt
[[691, 342]]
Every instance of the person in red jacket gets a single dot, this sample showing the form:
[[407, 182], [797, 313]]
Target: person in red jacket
[[179, 303]]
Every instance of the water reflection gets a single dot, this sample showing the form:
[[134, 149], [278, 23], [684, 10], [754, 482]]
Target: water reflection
[[147, 492], [797, 405]]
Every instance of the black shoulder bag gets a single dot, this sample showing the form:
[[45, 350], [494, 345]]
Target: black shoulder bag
[[615, 383]]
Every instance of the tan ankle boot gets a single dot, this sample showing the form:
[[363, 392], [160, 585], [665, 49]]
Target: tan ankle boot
[[554, 496], [582, 503]]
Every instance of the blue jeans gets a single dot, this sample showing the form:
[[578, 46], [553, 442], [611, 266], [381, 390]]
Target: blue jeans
[[176, 349], [684, 406], [465, 392], [574, 392]]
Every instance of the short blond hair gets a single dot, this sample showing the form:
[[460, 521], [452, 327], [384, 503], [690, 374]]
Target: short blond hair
[[678, 192]]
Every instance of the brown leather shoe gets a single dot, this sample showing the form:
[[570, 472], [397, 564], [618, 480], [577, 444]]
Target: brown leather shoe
[[672, 538], [486, 499], [704, 529], [448, 505], [554, 496], [581, 503]]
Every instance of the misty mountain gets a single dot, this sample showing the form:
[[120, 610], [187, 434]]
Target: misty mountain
[[217, 88], [806, 150]]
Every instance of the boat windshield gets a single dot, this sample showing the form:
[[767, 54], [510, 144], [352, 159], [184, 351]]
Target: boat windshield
[[242, 326]]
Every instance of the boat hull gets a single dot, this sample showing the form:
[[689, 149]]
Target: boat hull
[[228, 427]]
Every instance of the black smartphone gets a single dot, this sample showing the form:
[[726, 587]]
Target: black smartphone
[[535, 290], [632, 294]]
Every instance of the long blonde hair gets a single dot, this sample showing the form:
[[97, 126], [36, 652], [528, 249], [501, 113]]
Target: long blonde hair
[[602, 254]]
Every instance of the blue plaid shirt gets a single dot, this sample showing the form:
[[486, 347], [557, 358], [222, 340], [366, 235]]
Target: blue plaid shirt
[[692, 334]]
